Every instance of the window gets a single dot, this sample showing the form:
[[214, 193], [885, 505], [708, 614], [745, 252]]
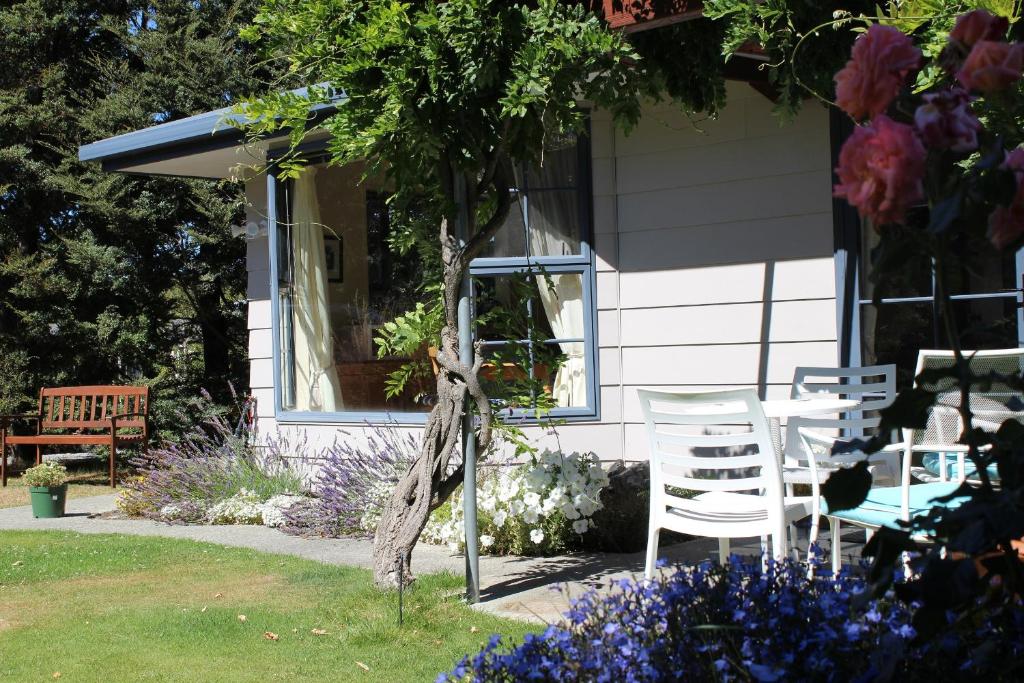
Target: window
[[982, 285], [533, 288], [336, 281]]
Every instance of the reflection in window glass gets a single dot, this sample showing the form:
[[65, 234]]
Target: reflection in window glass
[[907, 321], [338, 282], [545, 217], [534, 322]]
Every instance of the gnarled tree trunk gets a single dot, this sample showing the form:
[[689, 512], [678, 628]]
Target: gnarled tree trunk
[[428, 483]]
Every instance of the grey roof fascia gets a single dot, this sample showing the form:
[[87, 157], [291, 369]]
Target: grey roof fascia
[[204, 131]]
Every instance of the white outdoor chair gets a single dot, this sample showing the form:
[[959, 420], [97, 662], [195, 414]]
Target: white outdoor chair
[[991, 404], [716, 443], [808, 457]]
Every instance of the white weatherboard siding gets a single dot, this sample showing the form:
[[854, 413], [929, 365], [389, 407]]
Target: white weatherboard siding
[[713, 245]]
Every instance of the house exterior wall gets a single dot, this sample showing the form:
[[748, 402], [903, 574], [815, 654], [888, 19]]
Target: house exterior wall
[[714, 250]]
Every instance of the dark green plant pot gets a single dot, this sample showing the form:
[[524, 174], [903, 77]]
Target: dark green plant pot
[[48, 501]]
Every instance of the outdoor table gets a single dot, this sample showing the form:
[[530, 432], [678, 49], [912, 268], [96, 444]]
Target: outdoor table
[[776, 409]]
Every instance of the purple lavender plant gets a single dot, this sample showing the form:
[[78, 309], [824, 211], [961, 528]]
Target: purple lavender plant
[[353, 479], [212, 462]]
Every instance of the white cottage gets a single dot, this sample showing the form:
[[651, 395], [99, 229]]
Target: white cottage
[[690, 254]]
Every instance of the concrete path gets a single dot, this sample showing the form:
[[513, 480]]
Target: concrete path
[[536, 589]]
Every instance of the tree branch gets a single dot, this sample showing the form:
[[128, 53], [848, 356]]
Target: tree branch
[[500, 182], [493, 160]]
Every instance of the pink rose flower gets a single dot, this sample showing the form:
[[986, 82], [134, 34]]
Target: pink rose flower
[[1006, 224], [945, 121], [881, 167], [991, 66], [878, 67], [979, 25]]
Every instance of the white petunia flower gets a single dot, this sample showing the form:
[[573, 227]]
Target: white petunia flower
[[499, 518], [537, 536], [549, 506], [570, 511], [530, 516], [532, 500], [486, 541], [580, 526]]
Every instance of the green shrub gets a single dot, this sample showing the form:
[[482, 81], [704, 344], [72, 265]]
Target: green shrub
[[47, 474]]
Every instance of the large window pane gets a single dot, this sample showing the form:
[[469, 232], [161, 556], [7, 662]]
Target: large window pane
[[545, 219], [554, 228], [338, 283], [535, 322]]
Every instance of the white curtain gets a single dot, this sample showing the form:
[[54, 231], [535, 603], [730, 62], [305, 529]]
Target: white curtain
[[316, 378], [553, 232]]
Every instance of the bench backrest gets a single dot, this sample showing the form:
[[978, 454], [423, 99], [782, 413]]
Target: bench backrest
[[92, 407]]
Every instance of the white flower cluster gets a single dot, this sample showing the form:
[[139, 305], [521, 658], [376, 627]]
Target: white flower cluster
[[245, 507], [275, 508], [376, 497], [555, 484]]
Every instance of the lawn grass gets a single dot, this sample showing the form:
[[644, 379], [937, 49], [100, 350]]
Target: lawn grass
[[115, 608], [81, 485]]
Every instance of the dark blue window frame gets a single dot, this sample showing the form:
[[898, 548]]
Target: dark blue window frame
[[582, 263]]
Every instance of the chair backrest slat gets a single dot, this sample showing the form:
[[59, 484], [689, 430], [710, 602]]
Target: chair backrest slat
[[734, 452], [873, 385], [993, 401]]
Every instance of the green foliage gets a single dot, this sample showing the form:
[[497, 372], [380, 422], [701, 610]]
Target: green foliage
[[807, 42], [778, 27], [111, 278], [408, 335], [440, 88], [46, 474]]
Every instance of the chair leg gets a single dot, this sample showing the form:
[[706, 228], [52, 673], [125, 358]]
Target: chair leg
[[652, 552], [837, 552], [723, 550], [812, 536], [39, 455]]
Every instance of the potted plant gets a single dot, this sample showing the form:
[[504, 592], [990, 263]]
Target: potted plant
[[48, 489]]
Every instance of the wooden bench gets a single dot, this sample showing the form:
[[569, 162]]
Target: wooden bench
[[86, 416]]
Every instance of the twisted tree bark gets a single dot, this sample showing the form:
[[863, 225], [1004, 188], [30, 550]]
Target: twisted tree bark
[[428, 482]]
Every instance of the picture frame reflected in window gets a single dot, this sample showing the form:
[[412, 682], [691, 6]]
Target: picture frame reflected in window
[[335, 256]]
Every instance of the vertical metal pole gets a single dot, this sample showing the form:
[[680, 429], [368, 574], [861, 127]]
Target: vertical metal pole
[[468, 431]]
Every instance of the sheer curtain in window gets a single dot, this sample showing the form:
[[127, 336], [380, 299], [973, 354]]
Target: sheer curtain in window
[[316, 378], [554, 231]]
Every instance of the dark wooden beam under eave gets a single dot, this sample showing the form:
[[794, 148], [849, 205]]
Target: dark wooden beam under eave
[[633, 16], [642, 15]]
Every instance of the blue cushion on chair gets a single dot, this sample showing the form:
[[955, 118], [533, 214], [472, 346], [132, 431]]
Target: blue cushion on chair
[[883, 504], [933, 463]]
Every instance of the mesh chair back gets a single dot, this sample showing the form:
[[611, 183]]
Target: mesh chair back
[[992, 401]]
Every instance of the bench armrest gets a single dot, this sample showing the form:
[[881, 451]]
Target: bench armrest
[[4, 419], [123, 415]]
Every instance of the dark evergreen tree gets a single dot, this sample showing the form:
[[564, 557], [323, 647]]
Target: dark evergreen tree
[[108, 278]]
